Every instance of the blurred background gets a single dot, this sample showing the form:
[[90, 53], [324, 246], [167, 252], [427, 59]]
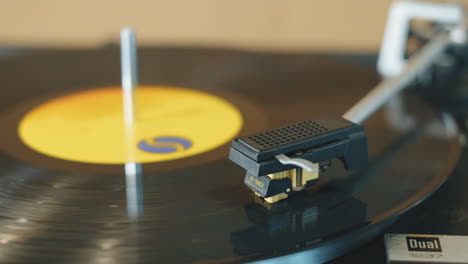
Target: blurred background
[[271, 25]]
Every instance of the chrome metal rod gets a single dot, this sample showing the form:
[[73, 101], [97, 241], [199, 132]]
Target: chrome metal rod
[[128, 53], [134, 190], [133, 170], [388, 88]]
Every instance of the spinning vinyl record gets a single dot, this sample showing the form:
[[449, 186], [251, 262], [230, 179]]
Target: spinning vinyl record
[[65, 197]]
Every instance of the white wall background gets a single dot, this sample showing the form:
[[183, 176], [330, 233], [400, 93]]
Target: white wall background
[[297, 25]]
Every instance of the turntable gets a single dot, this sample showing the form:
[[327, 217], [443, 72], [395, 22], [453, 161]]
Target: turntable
[[106, 162]]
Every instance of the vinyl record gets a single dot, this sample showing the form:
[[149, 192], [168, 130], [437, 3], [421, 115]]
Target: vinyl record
[[65, 198]]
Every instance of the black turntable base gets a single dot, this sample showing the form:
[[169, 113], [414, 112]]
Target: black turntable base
[[57, 208], [444, 212]]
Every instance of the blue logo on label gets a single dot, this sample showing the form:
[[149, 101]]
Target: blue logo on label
[[164, 145]]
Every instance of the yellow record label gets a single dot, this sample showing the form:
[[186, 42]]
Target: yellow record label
[[171, 123]]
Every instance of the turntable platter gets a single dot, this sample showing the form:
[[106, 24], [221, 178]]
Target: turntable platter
[[195, 209]]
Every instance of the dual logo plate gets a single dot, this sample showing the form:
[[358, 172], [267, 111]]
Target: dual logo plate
[[410, 248]]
